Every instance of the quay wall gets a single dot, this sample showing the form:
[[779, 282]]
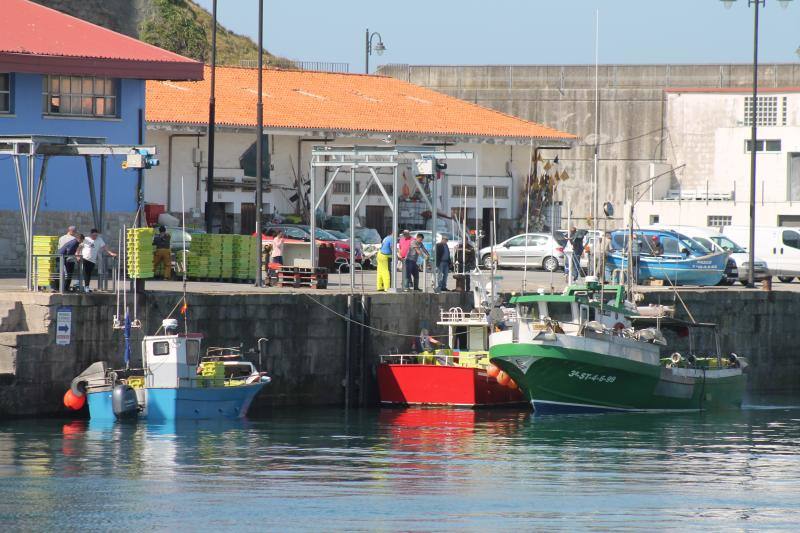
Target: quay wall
[[307, 353]]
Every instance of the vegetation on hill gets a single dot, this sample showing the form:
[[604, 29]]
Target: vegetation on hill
[[185, 28]]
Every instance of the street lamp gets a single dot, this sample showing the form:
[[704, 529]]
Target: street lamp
[[379, 48], [754, 128]]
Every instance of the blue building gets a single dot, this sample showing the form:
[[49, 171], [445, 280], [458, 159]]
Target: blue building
[[64, 76]]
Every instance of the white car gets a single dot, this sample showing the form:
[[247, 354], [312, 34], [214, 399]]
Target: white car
[[538, 249]]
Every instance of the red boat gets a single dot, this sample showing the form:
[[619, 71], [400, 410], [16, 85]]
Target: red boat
[[454, 376]]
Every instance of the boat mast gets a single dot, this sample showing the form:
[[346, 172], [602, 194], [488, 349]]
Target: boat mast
[[596, 131], [527, 219], [183, 238]]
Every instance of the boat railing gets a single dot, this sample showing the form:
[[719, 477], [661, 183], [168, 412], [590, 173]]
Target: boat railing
[[456, 314], [462, 359]]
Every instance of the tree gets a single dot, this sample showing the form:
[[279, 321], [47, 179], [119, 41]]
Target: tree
[[173, 26]]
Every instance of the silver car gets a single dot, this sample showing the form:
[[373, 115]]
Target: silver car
[[540, 250]]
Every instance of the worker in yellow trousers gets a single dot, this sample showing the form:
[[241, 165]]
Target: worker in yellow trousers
[[384, 261], [163, 255]]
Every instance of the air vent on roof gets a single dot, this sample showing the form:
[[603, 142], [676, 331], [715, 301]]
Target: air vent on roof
[[365, 96], [418, 100]]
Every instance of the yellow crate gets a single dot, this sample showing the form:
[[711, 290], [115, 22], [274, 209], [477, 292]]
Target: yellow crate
[[136, 382]]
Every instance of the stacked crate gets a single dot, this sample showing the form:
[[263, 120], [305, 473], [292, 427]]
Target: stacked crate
[[226, 265], [140, 252], [213, 373], [197, 258], [214, 255], [244, 258], [46, 267]]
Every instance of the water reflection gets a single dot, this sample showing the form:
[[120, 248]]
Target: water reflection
[[407, 469]]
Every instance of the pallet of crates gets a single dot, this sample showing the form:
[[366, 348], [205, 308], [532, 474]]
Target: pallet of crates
[[287, 276], [46, 267], [242, 256], [197, 260], [139, 253], [214, 256], [226, 257]]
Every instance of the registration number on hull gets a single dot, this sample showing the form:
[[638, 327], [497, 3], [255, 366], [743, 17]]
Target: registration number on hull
[[586, 376]]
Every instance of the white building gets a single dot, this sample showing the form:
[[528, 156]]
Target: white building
[[306, 109], [708, 132]]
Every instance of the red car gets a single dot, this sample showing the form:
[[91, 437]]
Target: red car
[[300, 233]]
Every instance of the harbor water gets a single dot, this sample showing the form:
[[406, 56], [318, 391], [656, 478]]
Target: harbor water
[[409, 470]]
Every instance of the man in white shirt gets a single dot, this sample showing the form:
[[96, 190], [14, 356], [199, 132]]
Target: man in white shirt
[[91, 248]]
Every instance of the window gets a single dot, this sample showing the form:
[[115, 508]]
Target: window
[[728, 245], [537, 240], [654, 219], [717, 221], [791, 238], [705, 242], [375, 191], [343, 187], [458, 191], [766, 112], [192, 352], [161, 348], [499, 192], [561, 311], [517, 241], [769, 145], [5, 93], [79, 96], [784, 111]]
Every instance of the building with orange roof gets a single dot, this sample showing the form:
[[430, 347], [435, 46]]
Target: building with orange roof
[[303, 109]]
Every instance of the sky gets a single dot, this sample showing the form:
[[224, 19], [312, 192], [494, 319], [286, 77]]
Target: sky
[[461, 32]]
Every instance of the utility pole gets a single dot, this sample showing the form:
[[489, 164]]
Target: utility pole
[[259, 143], [211, 122]]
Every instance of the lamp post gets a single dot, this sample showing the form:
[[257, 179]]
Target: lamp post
[[259, 143], [379, 48], [754, 131]]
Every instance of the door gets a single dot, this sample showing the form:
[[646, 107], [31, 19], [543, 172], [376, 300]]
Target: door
[[789, 252], [247, 222], [486, 227], [376, 218], [340, 210], [539, 247], [793, 191], [217, 216], [511, 252]]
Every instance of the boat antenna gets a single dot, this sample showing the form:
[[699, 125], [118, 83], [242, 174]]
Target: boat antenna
[[185, 307], [527, 220], [494, 243], [464, 238]]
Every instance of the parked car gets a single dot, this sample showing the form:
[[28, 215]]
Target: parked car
[[302, 232], [540, 250], [371, 245], [342, 236], [738, 266], [778, 245]]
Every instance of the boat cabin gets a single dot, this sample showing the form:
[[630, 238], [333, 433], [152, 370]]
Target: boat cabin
[[170, 361]]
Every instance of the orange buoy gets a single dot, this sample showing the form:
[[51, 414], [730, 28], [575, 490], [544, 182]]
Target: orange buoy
[[503, 378], [492, 371], [511, 384], [73, 401]]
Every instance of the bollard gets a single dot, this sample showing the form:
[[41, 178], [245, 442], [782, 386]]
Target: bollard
[[766, 284]]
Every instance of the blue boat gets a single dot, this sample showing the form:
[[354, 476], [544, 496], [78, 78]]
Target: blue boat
[[174, 383], [672, 258]]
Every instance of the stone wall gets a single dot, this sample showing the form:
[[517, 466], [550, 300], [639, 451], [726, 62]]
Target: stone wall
[[12, 238], [306, 352], [631, 111]]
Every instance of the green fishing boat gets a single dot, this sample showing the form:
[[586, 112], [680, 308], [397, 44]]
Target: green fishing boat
[[590, 349]]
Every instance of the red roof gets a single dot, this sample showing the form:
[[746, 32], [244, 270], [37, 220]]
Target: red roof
[[333, 102], [37, 39]]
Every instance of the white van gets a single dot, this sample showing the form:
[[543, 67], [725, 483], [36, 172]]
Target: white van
[[712, 239], [780, 246]]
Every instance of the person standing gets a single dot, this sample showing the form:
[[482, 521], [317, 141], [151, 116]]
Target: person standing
[[67, 253], [90, 250], [276, 254], [577, 251], [465, 262], [402, 252], [163, 253], [442, 262], [68, 262], [384, 262], [415, 250]]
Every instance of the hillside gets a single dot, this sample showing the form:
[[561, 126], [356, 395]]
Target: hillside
[[178, 25]]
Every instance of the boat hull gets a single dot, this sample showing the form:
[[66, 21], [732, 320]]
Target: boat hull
[[563, 380], [704, 271], [425, 384], [161, 405]]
